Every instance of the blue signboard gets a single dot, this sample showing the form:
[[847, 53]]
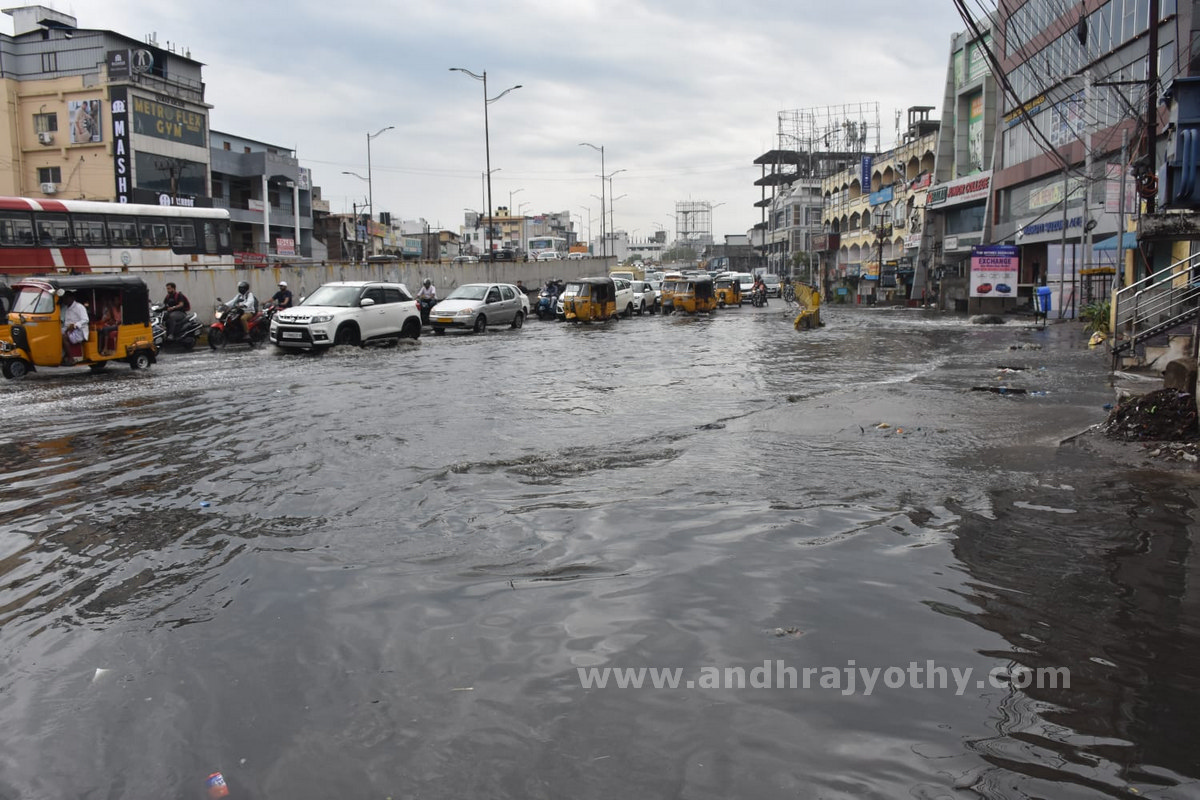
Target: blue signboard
[[866, 173], [884, 195]]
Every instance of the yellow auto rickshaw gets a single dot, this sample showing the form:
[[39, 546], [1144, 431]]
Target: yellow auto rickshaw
[[695, 296], [590, 300], [728, 291], [669, 282], [118, 312]]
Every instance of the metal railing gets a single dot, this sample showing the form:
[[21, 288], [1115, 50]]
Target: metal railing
[[1156, 303]]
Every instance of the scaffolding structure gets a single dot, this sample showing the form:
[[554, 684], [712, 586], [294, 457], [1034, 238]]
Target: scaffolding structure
[[693, 223], [814, 143]]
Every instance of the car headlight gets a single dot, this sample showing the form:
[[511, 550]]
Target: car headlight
[[466, 312], [321, 318]]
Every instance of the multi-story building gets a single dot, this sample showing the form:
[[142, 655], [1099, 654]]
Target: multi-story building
[[95, 115], [812, 144], [1080, 75], [874, 216], [957, 204], [269, 197]]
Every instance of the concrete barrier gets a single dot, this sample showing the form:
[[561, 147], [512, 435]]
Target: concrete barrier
[[204, 286]]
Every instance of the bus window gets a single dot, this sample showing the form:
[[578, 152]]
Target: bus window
[[122, 231], [53, 229], [16, 230], [89, 230], [183, 236], [216, 237], [154, 232]]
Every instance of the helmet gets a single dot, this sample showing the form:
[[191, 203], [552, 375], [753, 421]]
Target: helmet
[[243, 287], [427, 281]]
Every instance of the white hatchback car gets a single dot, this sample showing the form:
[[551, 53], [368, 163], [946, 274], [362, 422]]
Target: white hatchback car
[[348, 312]]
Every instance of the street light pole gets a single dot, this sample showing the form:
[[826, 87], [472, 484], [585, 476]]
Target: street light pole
[[510, 197], [487, 144], [371, 194], [612, 217], [603, 242]]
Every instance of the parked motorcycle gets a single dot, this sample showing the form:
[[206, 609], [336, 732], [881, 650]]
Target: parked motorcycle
[[227, 329], [189, 330]]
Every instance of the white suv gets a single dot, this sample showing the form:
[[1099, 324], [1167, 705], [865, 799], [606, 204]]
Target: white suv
[[645, 298], [348, 312], [625, 302]]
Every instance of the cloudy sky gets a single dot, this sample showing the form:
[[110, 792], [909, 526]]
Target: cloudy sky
[[682, 94]]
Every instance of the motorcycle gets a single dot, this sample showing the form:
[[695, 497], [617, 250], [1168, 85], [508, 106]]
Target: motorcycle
[[546, 304], [227, 328], [424, 304], [758, 298], [189, 330]]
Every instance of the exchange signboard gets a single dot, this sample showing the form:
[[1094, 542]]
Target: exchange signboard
[[994, 270]]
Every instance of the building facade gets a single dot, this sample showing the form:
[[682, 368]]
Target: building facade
[[92, 114], [1080, 73]]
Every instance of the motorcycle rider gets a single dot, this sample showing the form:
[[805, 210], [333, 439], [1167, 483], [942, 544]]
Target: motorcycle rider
[[759, 289], [283, 298], [427, 291], [247, 303], [175, 310]]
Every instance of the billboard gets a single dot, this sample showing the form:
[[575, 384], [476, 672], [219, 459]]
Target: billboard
[[84, 119], [174, 124], [975, 133], [122, 166], [994, 270]]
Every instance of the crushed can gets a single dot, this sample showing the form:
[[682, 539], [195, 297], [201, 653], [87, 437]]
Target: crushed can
[[217, 787]]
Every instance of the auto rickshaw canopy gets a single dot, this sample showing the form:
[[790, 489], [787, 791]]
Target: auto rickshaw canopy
[[135, 295]]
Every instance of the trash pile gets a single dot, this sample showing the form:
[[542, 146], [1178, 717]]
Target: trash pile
[[1166, 415]]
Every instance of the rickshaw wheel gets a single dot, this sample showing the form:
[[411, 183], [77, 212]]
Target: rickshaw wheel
[[140, 360], [15, 368]]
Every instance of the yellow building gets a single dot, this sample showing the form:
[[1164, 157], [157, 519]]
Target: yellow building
[[95, 115]]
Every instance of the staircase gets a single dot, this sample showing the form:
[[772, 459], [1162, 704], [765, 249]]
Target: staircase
[[1155, 305]]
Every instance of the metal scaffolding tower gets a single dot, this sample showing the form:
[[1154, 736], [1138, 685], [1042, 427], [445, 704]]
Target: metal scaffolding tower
[[693, 223]]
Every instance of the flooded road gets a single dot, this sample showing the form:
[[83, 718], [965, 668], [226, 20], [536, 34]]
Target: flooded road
[[390, 572]]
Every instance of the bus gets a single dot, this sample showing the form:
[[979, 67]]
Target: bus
[[39, 236], [546, 244]]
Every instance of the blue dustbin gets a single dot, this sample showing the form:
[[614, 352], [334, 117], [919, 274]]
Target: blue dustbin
[[1043, 299]]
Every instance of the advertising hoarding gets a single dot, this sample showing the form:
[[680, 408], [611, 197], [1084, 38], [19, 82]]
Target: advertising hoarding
[[994, 270]]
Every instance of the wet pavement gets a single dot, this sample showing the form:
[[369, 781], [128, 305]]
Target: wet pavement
[[377, 573]]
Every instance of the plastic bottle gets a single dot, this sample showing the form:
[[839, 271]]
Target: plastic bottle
[[217, 788]]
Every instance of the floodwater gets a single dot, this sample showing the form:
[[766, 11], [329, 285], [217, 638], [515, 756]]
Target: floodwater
[[378, 573]]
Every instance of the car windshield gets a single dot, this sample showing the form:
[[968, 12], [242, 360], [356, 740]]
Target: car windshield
[[772, 279], [472, 291], [33, 301], [336, 296]]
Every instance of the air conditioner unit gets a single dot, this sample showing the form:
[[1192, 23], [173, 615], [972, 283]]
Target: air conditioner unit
[[46, 137], [49, 188]]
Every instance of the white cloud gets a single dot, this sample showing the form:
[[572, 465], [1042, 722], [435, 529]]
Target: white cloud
[[683, 95]]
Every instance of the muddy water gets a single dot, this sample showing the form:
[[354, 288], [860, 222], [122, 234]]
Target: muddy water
[[378, 572]]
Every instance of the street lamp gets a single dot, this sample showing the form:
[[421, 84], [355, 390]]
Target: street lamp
[[487, 144], [612, 216], [612, 222], [589, 226], [603, 244], [510, 197], [712, 228], [370, 194]]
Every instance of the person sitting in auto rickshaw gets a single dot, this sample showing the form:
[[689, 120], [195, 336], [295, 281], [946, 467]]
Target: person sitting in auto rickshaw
[[110, 323], [74, 327]]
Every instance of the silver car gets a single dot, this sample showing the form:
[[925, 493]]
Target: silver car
[[475, 306]]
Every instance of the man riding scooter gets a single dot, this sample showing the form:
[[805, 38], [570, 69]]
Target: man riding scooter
[[247, 304], [175, 308], [426, 299]]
